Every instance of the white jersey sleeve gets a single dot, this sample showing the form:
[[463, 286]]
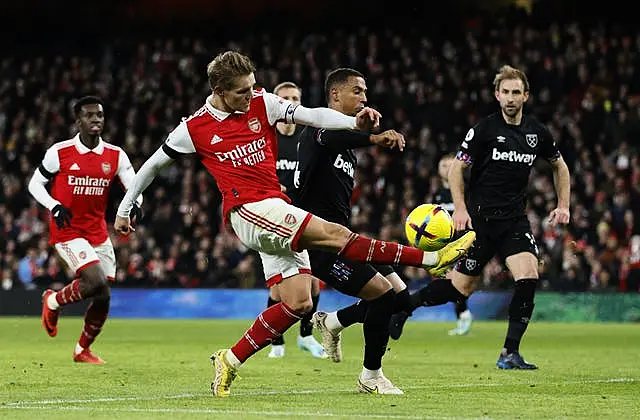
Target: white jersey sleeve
[[126, 173], [279, 109], [50, 162], [179, 140]]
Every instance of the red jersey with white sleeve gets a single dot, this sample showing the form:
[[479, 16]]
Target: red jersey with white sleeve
[[81, 179], [239, 150]]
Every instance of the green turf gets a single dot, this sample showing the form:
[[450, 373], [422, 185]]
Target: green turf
[[161, 370]]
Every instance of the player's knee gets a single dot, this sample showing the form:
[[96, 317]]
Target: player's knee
[[95, 282], [301, 305]]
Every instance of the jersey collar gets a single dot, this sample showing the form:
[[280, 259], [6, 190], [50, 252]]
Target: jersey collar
[[82, 149], [218, 114]]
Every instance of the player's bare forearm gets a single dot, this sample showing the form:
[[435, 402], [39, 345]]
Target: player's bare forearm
[[456, 184], [145, 176], [562, 182]]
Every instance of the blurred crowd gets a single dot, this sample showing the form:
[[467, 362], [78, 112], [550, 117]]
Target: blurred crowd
[[432, 88]]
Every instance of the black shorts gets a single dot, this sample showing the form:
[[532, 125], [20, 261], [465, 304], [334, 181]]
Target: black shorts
[[497, 237], [346, 276]]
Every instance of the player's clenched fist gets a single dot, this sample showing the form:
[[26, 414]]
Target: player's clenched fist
[[389, 139], [368, 119], [461, 219], [122, 225]]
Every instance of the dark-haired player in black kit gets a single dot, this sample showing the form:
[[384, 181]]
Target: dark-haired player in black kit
[[327, 166], [501, 150], [286, 166]]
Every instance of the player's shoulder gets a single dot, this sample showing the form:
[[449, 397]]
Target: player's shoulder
[[534, 122], [63, 144], [112, 147], [491, 120], [482, 126]]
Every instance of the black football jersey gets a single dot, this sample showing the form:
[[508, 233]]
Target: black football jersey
[[502, 155], [287, 161], [326, 165]]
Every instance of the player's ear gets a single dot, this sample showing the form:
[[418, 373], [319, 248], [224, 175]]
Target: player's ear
[[497, 95], [526, 96], [334, 94]]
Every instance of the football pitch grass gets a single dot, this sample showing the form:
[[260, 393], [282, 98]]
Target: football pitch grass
[[159, 369]]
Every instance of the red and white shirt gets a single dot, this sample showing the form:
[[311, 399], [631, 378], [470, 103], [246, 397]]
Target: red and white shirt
[[239, 149], [81, 179]]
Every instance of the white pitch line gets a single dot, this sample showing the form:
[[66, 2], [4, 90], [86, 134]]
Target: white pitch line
[[27, 404], [299, 414]]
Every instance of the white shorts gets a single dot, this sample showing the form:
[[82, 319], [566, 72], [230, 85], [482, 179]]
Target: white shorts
[[78, 254], [273, 227]]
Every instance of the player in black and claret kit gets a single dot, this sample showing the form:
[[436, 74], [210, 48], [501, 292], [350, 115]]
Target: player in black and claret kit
[[501, 149], [327, 165]]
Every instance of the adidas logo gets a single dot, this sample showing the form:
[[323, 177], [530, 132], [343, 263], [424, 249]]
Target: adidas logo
[[216, 139], [74, 167]]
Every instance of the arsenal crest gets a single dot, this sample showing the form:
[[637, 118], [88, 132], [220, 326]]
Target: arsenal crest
[[532, 140], [106, 167], [254, 125], [290, 219]]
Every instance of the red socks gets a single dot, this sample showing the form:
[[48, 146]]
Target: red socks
[[69, 293], [94, 319], [271, 323], [367, 250]]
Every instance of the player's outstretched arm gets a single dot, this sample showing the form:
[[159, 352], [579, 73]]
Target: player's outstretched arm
[[344, 140], [366, 119], [562, 181], [145, 176]]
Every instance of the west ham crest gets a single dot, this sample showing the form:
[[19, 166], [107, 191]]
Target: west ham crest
[[532, 140], [106, 168], [254, 125], [470, 264]]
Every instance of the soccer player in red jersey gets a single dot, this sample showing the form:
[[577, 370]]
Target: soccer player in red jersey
[[82, 170], [234, 135]]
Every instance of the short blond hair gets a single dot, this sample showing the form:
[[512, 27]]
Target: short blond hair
[[507, 72], [284, 85], [225, 67]]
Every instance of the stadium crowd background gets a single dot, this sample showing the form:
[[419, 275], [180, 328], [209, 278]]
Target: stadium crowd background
[[431, 85]]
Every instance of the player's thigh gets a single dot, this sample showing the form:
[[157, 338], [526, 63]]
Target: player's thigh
[[464, 283], [107, 256], [377, 286], [315, 286], [520, 250], [345, 276], [483, 250], [272, 226], [274, 294], [77, 254], [392, 277], [322, 235]]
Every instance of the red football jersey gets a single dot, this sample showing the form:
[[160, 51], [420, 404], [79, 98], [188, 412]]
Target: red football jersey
[[239, 150], [81, 182]]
